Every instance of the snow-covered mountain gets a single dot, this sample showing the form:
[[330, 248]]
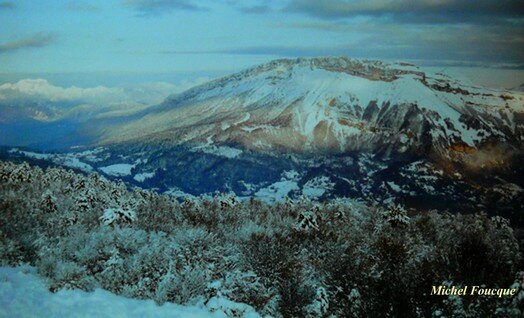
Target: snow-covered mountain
[[321, 128], [334, 105]]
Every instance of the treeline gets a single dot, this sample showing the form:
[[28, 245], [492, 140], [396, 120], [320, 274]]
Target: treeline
[[293, 259]]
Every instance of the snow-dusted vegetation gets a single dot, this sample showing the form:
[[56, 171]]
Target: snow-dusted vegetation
[[289, 259]]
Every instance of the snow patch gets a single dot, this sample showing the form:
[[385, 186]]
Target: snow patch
[[395, 187], [30, 154], [316, 187], [141, 177], [224, 307], [179, 194], [277, 191], [223, 151], [291, 175], [77, 164], [118, 170], [71, 160], [24, 294], [224, 126], [253, 128], [247, 116]]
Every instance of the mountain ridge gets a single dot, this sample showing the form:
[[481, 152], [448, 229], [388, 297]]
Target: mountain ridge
[[333, 105]]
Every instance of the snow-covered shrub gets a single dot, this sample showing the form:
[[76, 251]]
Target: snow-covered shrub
[[273, 259], [48, 202], [11, 252], [355, 303], [158, 213], [146, 266], [451, 306], [482, 241], [20, 174], [195, 244], [295, 292], [192, 212], [396, 215], [267, 255], [5, 172], [182, 286], [70, 275], [118, 216], [82, 203], [307, 221], [248, 288], [320, 304], [226, 201], [513, 307]]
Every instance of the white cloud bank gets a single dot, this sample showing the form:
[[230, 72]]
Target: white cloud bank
[[43, 101], [41, 89]]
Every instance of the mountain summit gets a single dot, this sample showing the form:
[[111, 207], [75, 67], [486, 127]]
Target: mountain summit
[[335, 105]]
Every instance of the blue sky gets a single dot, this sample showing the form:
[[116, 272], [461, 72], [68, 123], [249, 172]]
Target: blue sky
[[161, 36]]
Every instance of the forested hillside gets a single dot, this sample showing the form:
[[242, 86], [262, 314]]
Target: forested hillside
[[290, 259]]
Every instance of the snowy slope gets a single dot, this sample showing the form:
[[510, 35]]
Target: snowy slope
[[334, 105], [24, 294]]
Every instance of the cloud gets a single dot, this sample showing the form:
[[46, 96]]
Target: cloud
[[489, 46], [38, 99], [412, 11], [519, 67], [82, 6], [42, 90], [148, 7], [259, 9], [35, 41], [490, 43], [481, 31], [281, 51], [7, 5], [493, 44]]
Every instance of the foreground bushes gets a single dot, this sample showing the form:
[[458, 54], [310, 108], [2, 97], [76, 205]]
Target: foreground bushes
[[298, 259]]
